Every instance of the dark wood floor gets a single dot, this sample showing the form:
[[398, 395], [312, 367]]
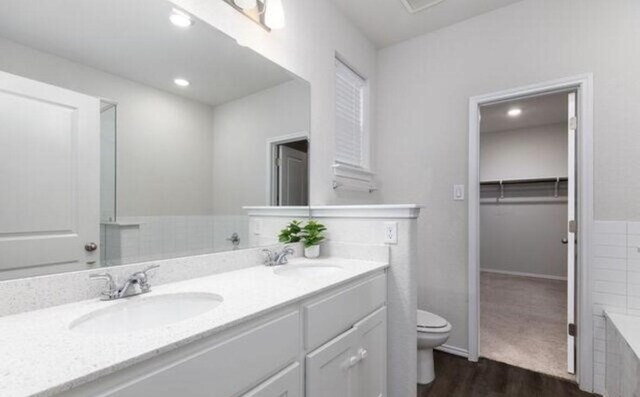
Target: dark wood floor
[[458, 377]]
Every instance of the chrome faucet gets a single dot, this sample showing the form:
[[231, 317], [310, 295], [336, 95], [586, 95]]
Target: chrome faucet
[[136, 284], [277, 258]]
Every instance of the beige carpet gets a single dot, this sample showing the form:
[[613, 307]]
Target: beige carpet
[[523, 322]]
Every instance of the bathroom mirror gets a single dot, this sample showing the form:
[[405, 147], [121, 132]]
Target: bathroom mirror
[[131, 131]]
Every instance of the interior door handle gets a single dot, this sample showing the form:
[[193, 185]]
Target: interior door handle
[[90, 247], [565, 241]]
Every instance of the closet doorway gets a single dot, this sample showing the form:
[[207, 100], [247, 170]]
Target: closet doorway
[[527, 212]]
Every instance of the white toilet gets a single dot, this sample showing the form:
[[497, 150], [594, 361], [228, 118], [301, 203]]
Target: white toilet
[[433, 331]]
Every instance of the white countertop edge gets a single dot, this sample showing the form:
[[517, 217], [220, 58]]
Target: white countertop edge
[[629, 327], [92, 375]]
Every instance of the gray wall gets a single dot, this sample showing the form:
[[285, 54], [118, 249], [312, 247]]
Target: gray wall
[[524, 237], [241, 129], [534, 152], [424, 85], [164, 140]]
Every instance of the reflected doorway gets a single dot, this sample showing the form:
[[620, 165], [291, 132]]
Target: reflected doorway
[[289, 170]]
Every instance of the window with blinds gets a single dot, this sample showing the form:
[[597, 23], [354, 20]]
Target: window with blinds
[[350, 118]]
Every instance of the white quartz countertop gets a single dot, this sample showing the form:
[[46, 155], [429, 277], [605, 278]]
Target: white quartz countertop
[[629, 328], [41, 356]]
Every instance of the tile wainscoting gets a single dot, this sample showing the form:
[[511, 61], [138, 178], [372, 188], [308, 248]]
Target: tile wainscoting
[[615, 283], [135, 239]]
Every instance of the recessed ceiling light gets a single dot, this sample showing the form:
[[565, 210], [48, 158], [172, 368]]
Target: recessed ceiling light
[[515, 112], [181, 82], [180, 19]]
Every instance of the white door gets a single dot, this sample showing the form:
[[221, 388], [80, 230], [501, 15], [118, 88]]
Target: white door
[[571, 234], [372, 351], [49, 174], [331, 369], [292, 176]]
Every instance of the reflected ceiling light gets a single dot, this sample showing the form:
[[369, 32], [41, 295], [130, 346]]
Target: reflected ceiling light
[[180, 18], [246, 4], [181, 82], [515, 112], [274, 14]]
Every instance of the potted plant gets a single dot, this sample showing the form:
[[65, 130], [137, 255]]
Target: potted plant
[[312, 236], [291, 233]]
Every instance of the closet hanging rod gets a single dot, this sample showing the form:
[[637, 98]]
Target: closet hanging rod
[[524, 180]]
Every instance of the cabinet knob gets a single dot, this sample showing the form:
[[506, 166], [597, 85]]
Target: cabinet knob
[[353, 361], [363, 353]]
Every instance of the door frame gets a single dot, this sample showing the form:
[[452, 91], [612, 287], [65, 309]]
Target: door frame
[[272, 145], [583, 84]]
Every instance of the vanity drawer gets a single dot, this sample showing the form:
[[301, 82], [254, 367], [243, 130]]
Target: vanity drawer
[[331, 316], [284, 384], [224, 369]]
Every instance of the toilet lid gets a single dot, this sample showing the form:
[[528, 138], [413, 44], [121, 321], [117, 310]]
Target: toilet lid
[[430, 320]]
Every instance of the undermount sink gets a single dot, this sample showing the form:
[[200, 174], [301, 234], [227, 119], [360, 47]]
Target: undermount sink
[[307, 270], [144, 312]]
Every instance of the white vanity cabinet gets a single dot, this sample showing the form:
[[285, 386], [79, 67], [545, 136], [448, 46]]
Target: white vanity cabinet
[[353, 364], [284, 384], [330, 345]]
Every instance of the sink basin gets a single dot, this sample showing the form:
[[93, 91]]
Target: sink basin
[[144, 312], [307, 270]]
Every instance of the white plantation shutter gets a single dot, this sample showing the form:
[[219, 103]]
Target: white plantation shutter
[[349, 129]]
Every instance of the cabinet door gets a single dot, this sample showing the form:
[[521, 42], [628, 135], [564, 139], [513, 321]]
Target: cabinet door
[[330, 370], [283, 384], [372, 353]]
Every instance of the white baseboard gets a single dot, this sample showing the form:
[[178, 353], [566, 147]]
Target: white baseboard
[[456, 351], [522, 274]]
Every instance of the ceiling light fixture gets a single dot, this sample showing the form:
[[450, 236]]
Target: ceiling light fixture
[[268, 13], [181, 82], [180, 19], [274, 14], [515, 112], [246, 4]]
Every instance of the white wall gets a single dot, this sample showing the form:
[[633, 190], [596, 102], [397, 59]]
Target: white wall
[[241, 129], [164, 140], [524, 237], [315, 31], [535, 152], [424, 85]]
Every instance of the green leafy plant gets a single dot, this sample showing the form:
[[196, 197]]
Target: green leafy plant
[[291, 233], [312, 233]]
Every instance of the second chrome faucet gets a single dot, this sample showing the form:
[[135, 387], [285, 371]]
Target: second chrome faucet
[[277, 258]]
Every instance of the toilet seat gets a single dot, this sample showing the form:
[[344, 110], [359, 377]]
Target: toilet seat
[[432, 323]]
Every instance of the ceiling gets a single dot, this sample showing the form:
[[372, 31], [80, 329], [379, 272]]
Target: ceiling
[[386, 22], [134, 39], [536, 111]]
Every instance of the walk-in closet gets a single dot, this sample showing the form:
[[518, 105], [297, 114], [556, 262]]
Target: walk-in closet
[[526, 177]]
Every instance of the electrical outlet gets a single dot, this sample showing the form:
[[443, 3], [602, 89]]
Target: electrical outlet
[[391, 232], [458, 192]]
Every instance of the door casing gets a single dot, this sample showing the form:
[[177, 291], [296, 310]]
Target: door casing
[[583, 84]]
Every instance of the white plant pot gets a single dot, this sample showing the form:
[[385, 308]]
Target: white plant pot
[[312, 252]]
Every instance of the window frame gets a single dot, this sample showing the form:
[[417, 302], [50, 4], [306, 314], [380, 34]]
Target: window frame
[[365, 139]]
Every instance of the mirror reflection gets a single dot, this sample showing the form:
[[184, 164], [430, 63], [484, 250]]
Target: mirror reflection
[[130, 131]]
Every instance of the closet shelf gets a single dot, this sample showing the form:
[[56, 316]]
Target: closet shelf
[[502, 182], [524, 180]]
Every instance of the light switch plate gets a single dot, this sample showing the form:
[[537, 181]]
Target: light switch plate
[[458, 192], [390, 233]]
